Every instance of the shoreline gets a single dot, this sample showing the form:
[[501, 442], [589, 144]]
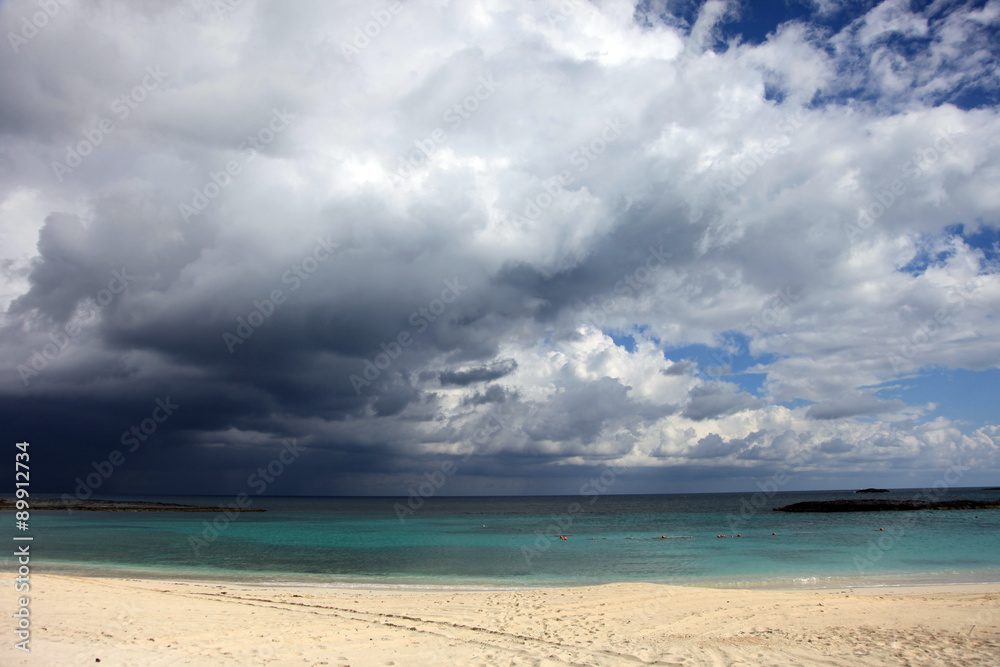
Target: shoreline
[[346, 582], [121, 621], [376, 587]]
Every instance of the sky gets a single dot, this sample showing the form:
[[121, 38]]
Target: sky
[[498, 247]]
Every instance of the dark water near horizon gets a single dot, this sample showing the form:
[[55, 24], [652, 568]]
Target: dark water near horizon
[[513, 542]]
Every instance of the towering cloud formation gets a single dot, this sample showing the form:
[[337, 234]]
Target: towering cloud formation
[[530, 239]]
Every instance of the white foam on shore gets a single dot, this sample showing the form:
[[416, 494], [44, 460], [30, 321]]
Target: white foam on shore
[[402, 583]]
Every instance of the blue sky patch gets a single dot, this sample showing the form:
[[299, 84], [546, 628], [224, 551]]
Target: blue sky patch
[[961, 394]]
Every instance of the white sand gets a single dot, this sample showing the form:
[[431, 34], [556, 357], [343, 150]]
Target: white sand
[[76, 621]]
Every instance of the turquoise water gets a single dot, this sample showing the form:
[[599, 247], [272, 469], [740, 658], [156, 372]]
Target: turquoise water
[[513, 542]]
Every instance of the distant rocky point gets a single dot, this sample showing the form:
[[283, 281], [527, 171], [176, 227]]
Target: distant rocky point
[[114, 506], [879, 505], [872, 491]]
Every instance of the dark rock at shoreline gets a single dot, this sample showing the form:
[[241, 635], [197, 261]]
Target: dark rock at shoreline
[[113, 506], [872, 491], [879, 505]]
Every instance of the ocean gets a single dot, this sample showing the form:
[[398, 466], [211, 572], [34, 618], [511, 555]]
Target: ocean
[[512, 542]]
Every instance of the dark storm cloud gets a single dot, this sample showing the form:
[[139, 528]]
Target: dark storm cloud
[[488, 373], [386, 262]]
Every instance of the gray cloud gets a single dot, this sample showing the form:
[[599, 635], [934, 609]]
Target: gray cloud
[[493, 394], [494, 371], [468, 215], [716, 399]]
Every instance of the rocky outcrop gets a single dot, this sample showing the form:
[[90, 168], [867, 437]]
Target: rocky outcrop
[[879, 505], [36, 504]]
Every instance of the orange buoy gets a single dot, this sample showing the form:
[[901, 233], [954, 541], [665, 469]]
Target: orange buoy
[[881, 528], [739, 535], [774, 533], [663, 537]]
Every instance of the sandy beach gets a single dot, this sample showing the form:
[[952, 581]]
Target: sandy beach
[[80, 621]]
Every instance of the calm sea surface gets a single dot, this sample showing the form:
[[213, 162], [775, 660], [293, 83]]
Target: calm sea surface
[[514, 542]]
